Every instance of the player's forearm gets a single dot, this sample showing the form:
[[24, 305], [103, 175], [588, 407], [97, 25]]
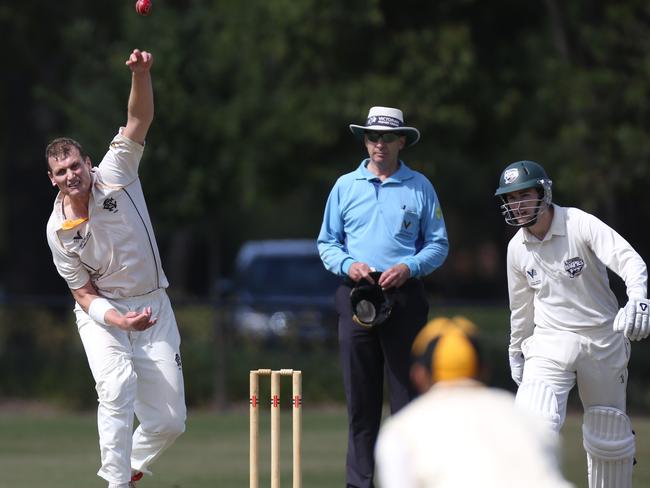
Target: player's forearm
[[635, 274], [141, 105], [85, 295], [96, 306], [618, 255], [522, 315], [522, 326], [103, 312]]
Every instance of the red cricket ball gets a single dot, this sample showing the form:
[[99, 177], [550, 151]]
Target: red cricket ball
[[143, 7]]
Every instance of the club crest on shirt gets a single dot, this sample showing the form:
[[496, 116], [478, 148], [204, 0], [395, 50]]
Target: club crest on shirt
[[533, 277], [574, 266], [110, 204], [409, 224], [177, 358], [80, 240]]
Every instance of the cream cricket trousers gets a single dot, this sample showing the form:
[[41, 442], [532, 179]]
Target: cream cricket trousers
[[135, 373], [596, 361]]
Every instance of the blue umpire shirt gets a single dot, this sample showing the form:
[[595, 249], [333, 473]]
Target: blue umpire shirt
[[384, 223]]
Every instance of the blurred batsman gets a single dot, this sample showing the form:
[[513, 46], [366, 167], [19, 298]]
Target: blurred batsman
[[459, 432], [103, 245], [382, 231], [566, 326]]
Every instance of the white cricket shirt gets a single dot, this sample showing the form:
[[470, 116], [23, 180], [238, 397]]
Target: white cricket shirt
[[463, 434], [561, 282], [116, 247]]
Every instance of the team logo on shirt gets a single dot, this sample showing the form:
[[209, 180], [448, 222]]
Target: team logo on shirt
[[409, 222], [110, 204], [574, 266], [80, 240], [533, 277]]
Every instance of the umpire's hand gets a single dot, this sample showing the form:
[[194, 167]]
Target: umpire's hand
[[395, 276], [359, 271]]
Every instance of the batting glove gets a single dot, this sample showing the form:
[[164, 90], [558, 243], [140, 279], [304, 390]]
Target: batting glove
[[633, 319], [517, 366]]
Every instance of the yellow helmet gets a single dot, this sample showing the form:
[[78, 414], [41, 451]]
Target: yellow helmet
[[448, 348]]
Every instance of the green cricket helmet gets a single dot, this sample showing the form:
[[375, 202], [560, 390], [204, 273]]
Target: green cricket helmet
[[519, 176]]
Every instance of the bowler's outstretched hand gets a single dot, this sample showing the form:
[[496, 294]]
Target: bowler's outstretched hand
[[139, 61]]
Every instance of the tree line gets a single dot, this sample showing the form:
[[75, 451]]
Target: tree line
[[253, 100]]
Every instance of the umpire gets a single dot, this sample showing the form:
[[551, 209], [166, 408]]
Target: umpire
[[382, 230]]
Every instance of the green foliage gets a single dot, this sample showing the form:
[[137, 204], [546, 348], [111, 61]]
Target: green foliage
[[253, 100], [592, 103], [43, 359]]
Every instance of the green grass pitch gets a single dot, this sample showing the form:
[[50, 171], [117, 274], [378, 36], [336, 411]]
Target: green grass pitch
[[59, 450]]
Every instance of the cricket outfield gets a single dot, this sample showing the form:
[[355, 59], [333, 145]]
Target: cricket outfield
[[59, 450]]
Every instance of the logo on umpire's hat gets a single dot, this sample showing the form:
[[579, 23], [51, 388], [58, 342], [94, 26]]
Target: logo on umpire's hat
[[386, 119], [370, 304]]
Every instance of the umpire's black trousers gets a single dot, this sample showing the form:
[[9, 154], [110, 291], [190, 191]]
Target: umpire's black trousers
[[365, 355]]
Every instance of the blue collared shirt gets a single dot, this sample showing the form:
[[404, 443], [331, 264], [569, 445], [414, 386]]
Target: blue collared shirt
[[384, 223]]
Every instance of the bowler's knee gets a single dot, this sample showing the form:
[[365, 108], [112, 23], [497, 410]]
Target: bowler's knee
[[171, 425], [175, 427]]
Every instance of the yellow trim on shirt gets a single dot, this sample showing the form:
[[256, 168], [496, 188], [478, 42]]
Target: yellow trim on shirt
[[71, 224]]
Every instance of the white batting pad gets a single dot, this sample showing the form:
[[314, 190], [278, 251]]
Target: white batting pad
[[538, 398], [609, 442]]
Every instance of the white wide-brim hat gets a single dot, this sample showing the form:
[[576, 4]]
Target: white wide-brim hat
[[386, 119]]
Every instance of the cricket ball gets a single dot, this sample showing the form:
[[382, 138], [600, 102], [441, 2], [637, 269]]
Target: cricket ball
[[143, 7]]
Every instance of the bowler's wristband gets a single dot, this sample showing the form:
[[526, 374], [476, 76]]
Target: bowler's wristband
[[98, 308]]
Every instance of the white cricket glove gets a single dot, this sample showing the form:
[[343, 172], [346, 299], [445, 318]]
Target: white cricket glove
[[517, 366], [633, 319]]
